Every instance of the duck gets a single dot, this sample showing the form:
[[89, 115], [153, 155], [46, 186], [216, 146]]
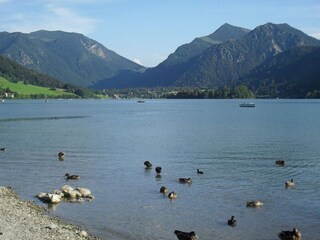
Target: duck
[[186, 235], [232, 221], [185, 180], [290, 235], [255, 203], [163, 189], [3, 149], [158, 170], [280, 162], [147, 164], [290, 183], [172, 195], [199, 172], [61, 155], [73, 177]]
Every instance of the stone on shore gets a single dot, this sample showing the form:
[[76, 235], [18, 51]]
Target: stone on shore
[[49, 198], [24, 220]]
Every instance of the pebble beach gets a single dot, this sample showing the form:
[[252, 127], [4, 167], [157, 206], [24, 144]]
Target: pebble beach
[[20, 219]]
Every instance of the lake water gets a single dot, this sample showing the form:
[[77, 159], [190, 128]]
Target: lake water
[[107, 141]]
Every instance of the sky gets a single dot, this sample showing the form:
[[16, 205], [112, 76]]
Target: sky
[[147, 31]]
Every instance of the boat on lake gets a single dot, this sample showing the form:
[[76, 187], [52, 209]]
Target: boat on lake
[[247, 104]]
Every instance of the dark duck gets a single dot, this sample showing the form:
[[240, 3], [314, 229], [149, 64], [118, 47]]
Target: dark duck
[[148, 164], [290, 235], [72, 177], [232, 222], [186, 235]]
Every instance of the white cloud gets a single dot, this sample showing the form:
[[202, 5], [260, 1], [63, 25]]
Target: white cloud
[[64, 19], [49, 16]]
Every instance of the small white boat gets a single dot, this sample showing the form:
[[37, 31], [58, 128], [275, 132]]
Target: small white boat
[[247, 104]]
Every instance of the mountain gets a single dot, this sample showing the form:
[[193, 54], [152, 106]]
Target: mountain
[[70, 57], [187, 51], [220, 64], [177, 63], [26, 82], [223, 64], [293, 73]]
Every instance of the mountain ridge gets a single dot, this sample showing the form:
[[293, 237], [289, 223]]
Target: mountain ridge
[[70, 57], [225, 58]]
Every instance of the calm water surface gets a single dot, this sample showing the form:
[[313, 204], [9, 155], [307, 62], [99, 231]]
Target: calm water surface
[[107, 141]]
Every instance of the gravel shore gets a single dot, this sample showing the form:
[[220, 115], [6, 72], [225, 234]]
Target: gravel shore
[[25, 220]]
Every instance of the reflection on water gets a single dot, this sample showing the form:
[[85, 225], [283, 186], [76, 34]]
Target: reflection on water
[[107, 142], [39, 118]]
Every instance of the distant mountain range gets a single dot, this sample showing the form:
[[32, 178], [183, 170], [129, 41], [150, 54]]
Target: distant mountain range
[[70, 57], [222, 63], [270, 59]]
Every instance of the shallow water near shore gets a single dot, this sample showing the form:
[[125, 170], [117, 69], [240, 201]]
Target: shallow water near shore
[[107, 141]]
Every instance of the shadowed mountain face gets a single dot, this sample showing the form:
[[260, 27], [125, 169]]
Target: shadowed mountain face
[[293, 73], [70, 57], [222, 61]]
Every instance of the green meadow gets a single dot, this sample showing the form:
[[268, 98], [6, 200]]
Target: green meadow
[[23, 90]]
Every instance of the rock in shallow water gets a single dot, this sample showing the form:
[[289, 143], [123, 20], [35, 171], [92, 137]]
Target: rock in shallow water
[[84, 191]]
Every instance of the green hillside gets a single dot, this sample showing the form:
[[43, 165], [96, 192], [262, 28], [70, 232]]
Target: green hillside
[[22, 90], [27, 83]]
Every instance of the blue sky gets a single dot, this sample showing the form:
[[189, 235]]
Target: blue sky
[[147, 31]]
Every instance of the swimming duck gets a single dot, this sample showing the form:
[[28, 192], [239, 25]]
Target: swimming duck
[[3, 149], [290, 183], [280, 162], [147, 164], [199, 172], [290, 235], [186, 235], [172, 195], [158, 170], [163, 189], [73, 177], [232, 222], [185, 180], [255, 203], [61, 155]]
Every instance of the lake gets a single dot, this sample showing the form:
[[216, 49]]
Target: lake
[[107, 141]]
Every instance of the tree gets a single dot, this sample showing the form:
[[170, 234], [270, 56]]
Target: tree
[[242, 91]]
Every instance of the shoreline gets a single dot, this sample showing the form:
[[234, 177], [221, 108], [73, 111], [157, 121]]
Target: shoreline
[[25, 220]]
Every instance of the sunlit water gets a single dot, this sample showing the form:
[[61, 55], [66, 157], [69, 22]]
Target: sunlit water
[[107, 141]]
